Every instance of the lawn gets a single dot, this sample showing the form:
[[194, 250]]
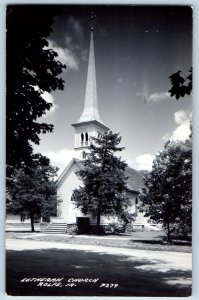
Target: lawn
[[137, 240]]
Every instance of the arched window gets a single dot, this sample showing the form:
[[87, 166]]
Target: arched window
[[86, 137], [82, 139], [136, 200]]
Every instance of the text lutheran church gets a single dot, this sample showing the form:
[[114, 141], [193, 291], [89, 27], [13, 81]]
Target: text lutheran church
[[90, 125]]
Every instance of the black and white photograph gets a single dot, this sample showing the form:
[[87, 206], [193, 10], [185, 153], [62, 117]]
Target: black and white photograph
[[99, 150]]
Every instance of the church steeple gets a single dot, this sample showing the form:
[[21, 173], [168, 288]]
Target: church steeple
[[90, 111], [89, 124]]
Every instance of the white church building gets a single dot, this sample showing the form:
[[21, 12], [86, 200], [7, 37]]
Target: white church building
[[90, 125]]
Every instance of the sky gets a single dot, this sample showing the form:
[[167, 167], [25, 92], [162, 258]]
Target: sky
[[137, 48]]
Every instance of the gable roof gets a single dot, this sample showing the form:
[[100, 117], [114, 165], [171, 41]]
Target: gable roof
[[135, 178], [67, 169]]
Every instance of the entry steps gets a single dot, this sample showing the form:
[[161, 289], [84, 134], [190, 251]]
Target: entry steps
[[56, 228]]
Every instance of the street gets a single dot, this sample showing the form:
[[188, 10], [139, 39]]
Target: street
[[50, 269]]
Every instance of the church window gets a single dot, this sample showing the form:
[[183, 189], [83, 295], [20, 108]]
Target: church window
[[86, 136], [82, 139], [136, 200]]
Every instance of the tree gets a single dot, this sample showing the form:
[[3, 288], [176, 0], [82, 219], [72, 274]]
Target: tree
[[33, 192], [104, 190], [32, 69], [181, 85], [167, 196]]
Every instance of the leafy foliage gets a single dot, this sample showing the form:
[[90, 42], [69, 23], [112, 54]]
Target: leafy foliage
[[123, 224], [33, 192], [167, 198], [32, 69], [104, 190], [181, 85]]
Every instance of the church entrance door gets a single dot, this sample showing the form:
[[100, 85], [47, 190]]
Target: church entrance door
[[83, 225]]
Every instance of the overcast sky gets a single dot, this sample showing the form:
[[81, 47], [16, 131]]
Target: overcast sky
[[136, 49]]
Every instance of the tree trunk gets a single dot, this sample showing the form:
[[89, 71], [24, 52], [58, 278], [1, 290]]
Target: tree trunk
[[168, 233], [32, 222], [98, 221]]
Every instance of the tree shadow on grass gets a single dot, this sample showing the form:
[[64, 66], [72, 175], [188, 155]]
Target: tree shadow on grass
[[131, 275], [159, 242]]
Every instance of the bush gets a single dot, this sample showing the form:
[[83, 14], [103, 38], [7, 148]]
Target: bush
[[116, 227], [72, 229]]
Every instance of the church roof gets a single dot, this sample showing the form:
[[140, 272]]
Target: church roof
[[63, 175], [135, 178], [97, 123]]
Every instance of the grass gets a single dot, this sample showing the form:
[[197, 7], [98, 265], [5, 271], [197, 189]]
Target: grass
[[141, 240]]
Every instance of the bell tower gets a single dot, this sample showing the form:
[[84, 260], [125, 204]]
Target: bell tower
[[89, 124]]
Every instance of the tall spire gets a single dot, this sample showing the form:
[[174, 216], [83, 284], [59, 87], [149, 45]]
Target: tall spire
[[90, 111], [89, 125]]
